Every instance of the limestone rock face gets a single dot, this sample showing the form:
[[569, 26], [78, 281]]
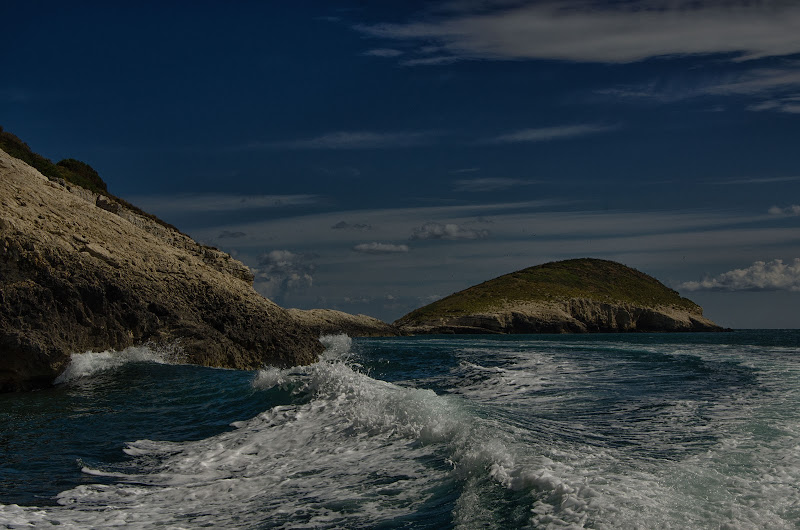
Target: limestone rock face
[[80, 272], [331, 322]]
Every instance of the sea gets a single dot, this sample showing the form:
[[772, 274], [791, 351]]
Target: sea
[[695, 430]]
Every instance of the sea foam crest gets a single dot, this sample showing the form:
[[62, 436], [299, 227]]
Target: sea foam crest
[[367, 404], [352, 452], [337, 349], [89, 363]]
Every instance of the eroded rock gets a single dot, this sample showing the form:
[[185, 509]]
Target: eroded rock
[[78, 274]]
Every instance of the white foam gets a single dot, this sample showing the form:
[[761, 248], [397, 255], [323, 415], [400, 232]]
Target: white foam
[[747, 479], [356, 451], [83, 365], [337, 347], [353, 451], [271, 377]]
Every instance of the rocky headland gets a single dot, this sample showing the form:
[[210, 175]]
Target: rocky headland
[[332, 322], [572, 296], [80, 270]]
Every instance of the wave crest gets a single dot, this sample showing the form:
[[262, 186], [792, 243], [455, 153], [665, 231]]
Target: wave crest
[[82, 365]]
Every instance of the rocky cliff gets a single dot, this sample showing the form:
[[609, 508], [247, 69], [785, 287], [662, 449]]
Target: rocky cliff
[[573, 296], [80, 271], [331, 322]]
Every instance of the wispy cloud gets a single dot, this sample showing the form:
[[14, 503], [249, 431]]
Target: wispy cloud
[[758, 81], [622, 32], [611, 32], [760, 276], [771, 89], [489, 184], [778, 89], [793, 210], [342, 225], [383, 52], [790, 105], [760, 180], [352, 140], [217, 202], [545, 134], [380, 248], [449, 231]]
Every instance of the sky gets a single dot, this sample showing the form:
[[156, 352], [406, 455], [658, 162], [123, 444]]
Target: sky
[[373, 157]]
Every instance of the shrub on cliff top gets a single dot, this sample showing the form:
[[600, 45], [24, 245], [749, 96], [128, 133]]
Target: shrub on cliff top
[[83, 174], [71, 170]]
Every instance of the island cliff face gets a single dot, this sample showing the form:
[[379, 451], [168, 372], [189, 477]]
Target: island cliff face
[[79, 271], [573, 296]]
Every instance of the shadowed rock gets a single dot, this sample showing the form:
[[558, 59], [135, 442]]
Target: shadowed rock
[[79, 271]]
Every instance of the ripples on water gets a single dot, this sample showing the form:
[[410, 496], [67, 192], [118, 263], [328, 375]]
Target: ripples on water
[[601, 431]]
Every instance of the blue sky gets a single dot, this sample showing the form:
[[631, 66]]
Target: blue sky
[[371, 157]]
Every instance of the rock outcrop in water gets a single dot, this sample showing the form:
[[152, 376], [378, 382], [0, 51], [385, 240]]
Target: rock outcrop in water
[[331, 322], [80, 271], [573, 296]]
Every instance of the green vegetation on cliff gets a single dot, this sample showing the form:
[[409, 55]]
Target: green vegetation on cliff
[[69, 170], [592, 279]]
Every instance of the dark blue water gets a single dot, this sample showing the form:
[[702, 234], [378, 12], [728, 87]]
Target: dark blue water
[[595, 431]]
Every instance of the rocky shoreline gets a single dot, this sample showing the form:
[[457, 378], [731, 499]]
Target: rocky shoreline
[[577, 315], [82, 272]]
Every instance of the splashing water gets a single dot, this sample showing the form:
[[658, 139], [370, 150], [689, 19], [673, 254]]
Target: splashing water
[[600, 432]]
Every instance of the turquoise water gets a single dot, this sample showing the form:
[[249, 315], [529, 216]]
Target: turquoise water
[[545, 431]]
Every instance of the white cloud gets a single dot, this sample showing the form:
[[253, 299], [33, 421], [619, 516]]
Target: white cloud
[[760, 276], [489, 184], [544, 134], [449, 231], [216, 202], [793, 210], [380, 248], [610, 32], [667, 244], [281, 271], [353, 140]]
